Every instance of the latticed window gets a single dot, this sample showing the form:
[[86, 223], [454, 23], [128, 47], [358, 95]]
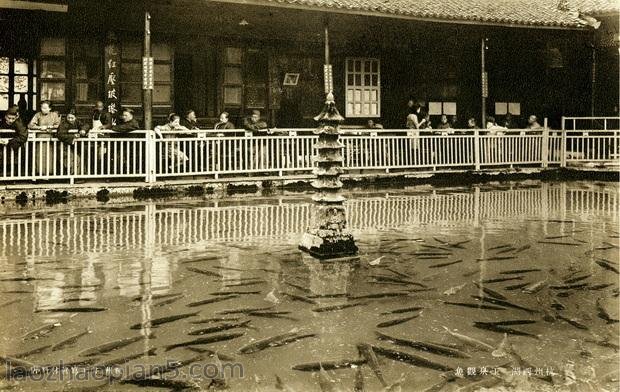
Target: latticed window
[[363, 91]]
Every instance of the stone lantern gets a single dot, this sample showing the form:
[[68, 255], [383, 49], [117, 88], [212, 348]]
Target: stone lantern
[[328, 237]]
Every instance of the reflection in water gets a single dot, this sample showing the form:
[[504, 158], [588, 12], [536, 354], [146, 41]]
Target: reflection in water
[[434, 243]]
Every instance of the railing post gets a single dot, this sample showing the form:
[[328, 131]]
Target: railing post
[[563, 149], [477, 149], [151, 157], [545, 145]]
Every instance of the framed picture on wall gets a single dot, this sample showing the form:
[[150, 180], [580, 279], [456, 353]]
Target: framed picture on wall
[[291, 79]]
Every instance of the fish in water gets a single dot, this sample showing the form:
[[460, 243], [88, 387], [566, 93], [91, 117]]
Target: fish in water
[[520, 271], [206, 340], [569, 286], [390, 323], [516, 286], [28, 353], [301, 298], [500, 246], [424, 346], [509, 322], [162, 320], [338, 307], [478, 344], [523, 248], [272, 341], [155, 296], [211, 353], [298, 287], [535, 287], [474, 306], [574, 322], [577, 278], [168, 301], [490, 292], [214, 320], [41, 331], [503, 329], [78, 309], [507, 279], [204, 272], [501, 302], [113, 345], [235, 292], [243, 310], [381, 295], [70, 340], [505, 250], [403, 310], [559, 243], [607, 266], [212, 300], [602, 312], [329, 365], [250, 283], [119, 361], [599, 286], [365, 351], [445, 264], [219, 328], [410, 359]]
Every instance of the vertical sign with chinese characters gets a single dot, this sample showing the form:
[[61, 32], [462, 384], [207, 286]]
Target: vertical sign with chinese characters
[[329, 78], [147, 73], [112, 64], [485, 85]]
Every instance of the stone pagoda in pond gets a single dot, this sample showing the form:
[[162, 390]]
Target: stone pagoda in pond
[[328, 237]]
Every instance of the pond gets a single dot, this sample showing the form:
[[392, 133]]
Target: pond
[[506, 286]]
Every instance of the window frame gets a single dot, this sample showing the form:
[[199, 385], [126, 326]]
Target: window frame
[[65, 80], [362, 86]]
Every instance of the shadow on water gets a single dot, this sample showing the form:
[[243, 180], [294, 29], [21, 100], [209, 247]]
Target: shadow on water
[[511, 286]]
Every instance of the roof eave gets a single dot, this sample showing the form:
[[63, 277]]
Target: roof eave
[[403, 17]]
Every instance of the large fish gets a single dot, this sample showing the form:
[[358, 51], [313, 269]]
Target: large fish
[[119, 361], [206, 340], [204, 272], [272, 341], [490, 292], [602, 312], [424, 346], [501, 302], [78, 309], [113, 345], [607, 266], [212, 300], [503, 329], [330, 308], [410, 359], [162, 320], [403, 310], [474, 306], [329, 365], [70, 340], [391, 323], [219, 328], [41, 331]]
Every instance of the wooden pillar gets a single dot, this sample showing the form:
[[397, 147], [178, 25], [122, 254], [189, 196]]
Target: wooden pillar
[[147, 91], [484, 81]]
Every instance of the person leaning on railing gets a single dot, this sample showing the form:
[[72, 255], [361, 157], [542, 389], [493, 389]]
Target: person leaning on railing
[[176, 157], [258, 127], [13, 135], [66, 135], [44, 121]]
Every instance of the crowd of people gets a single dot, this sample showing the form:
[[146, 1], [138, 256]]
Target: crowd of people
[[47, 123]]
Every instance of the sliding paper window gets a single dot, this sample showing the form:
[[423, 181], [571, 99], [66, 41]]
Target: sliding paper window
[[363, 91]]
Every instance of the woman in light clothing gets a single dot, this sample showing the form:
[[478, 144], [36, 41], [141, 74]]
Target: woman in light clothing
[[176, 157], [45, 122]]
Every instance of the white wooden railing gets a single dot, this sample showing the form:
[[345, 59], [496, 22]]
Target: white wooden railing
[[209, 155]]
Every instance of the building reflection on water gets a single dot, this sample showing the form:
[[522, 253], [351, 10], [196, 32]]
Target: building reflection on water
[[79, 254]]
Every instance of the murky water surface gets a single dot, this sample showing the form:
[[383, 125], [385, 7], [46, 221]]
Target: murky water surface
[[438, 269]]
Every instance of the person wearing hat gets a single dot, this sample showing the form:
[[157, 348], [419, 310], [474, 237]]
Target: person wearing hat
[[67, 136]]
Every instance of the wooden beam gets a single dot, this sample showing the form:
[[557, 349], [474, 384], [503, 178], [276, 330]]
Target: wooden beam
[[33, 6]]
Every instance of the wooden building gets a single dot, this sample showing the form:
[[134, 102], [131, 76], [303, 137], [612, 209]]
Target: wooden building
[[237, 56]]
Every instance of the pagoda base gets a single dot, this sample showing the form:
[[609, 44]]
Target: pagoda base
[[324, 244]]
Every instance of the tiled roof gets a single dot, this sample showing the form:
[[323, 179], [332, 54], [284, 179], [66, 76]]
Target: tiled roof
[[596, 7], [535, 13]]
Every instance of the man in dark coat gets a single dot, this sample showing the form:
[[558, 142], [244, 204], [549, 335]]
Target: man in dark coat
[[71, 157], [13, 135]]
